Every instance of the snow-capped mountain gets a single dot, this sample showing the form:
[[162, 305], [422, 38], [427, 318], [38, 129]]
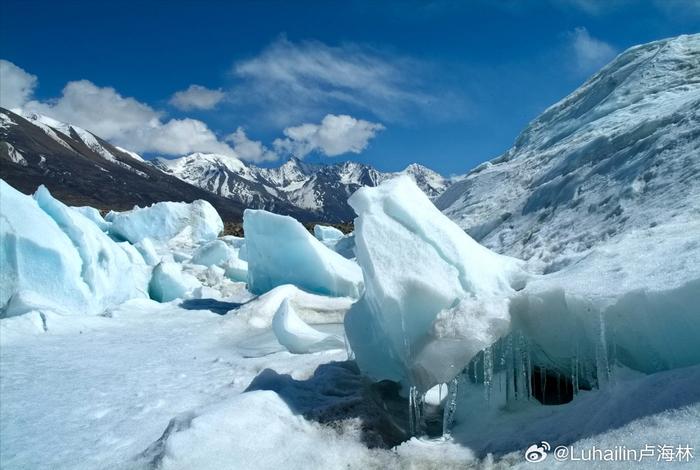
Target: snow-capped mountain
[[319, 189], [83, 169], [42, 150], [617, 159]]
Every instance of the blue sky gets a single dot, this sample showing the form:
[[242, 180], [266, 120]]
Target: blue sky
[[448, 84]]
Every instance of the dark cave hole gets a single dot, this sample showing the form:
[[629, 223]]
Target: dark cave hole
[[551, 388]]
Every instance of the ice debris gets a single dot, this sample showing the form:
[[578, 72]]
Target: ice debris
[[325, 233], [297, 336], [433, 296], [281, 251], [56, 256], [336, 240], [311, 308], [197, 221], [170, 283], [224, 255]]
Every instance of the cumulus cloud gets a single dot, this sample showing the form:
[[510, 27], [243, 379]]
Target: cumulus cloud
[[178, 137], [121, 120], [590, 53], [101, 110], [250, 150], [16, 85], [136, 126], [197, 97], [291, 82], [336, 135]]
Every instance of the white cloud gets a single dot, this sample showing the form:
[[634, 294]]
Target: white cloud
[[178, 137], [16, 85], [290, 82], [101, 110], [590, 53], [335, 135], [136, 126], [250, 150], [197, 97], [127, 122]]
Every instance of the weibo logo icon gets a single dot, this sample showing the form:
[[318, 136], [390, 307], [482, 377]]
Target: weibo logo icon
[[537, 452]]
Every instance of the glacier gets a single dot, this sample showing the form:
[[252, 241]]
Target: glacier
[[280, 251], [556, 297]]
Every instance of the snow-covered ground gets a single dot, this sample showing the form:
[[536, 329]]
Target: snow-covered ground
[[97, 392]]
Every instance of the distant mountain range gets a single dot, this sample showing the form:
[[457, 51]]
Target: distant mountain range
[[80, 168], [318, 189]]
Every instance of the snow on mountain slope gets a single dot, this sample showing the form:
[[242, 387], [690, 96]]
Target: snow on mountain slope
[[612, 170], [432, 183], [319, 189], [81, 169], [303, 190], [228, 177]]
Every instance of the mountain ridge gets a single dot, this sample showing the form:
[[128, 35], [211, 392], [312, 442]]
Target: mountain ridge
[[81, 168], [321, 189]]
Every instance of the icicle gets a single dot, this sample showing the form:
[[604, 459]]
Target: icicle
[[517, 368], [348, 349], [522, 370], [528, 366], [488, 373], [602, 365], [559, 387], [543, 383], [509, 370], [524, 365], [576, 369], [411, 416], [406, 345], [415, 411], [448, 415]]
